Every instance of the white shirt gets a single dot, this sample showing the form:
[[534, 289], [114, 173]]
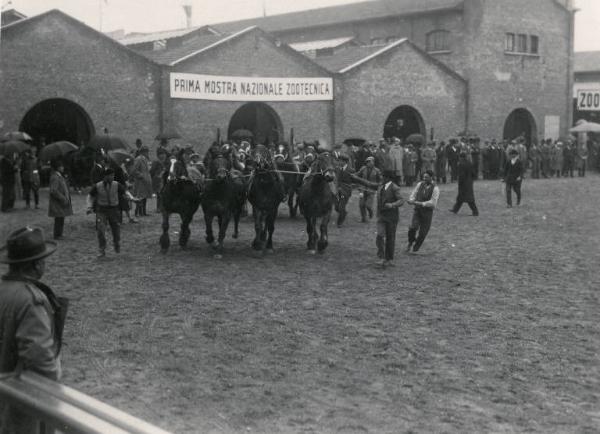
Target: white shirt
[[387, 185]]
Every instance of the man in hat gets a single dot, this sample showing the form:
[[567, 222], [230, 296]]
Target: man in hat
[[424, 197], [513, 177], [344, 187], [372, 174], [8, 172], [466, 174], [104, 198], [31, 319], [388, 202], [59, 202], [142, 181]]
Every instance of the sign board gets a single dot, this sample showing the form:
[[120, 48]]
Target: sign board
[[551, 127], [588, 99], [226, 88]]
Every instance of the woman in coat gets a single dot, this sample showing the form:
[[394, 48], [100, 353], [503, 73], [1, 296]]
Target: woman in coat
[[142, 182], [59, 205]]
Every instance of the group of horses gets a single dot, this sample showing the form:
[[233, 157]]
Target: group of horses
[[224, 191]]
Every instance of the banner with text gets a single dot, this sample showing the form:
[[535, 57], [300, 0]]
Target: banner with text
[[224, 88]]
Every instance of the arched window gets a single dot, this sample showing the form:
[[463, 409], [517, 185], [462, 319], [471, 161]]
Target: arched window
[[438, 40]]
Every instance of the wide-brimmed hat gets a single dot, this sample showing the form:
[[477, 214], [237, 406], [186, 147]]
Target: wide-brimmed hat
[[25, 245]]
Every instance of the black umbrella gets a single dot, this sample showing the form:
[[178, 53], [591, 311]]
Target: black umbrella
[[56, 150], [119, 156], [107, 142], [168, 135], [356, 141], [17, 135], [11, 147], [242, 134], [416, 139]]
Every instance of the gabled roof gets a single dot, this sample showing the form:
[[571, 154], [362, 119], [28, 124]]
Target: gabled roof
[[353, 57], [141, 38], [56, 12], [11, 15], [587, 61], [318, 45], [346, 13]]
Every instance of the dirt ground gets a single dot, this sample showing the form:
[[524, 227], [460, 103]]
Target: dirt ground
[[495, 327]]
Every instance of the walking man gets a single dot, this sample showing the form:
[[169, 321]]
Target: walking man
[[30, 178], [59, 203], [466, 173], [424, 197], [388, 202], [513, 177], [344, 188], [31, 319], [372, 174], [103, 199]]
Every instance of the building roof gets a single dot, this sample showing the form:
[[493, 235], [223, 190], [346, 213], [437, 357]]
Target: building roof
[[587, 61], [352, 12], [318, 45], [173, 55], [142, 38]]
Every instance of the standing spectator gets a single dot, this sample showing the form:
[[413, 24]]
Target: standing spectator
[[452, 156], [475, 154], [535, 156], [513, 177], [59, 205], [396, 155], [162, 147], [465, 185], [372, 174], [440, 163], [581, 158], [428, 157], [8, 173], [388, 202], [31, 320], [100, 164], [424, 198], [569, 153], [546, 150], [344, 188], [30, 176], [104, 199], [142, 182], [382, 158], [158, 167], [138, 147], [556, 159], [362, 154]]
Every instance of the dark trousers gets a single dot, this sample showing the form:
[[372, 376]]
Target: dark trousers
[[8, 197], [341, 207], [582, 167], [386, 239], [453, 171], [510, 186], [535, 168], [29, 187], [365, 204], [59, 226], [104, 217], [459, 204], [421, 223]]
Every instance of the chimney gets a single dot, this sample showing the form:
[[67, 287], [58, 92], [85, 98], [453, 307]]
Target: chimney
[[187, 8]]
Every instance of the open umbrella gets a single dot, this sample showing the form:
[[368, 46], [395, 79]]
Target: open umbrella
[[357, 141], [586, 127], [242, 134], [11, 147], [56, 150], [416, 139], [168, 135], [17, 135], [119, 156], [107, 142]]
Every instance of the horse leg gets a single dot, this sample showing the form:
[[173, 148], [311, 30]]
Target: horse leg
[[271, 228], [223, 223], [322, 245], [257, 230], [237, 212], [165, 242], [184, 234], [291, 203], [208, 219], [310, 229]]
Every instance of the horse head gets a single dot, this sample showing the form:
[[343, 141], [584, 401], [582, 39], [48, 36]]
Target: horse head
[[262, 160], [323, 166], [220, 167]]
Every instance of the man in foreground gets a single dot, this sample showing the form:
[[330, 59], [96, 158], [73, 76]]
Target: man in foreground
[[424, 197], [388, 202]]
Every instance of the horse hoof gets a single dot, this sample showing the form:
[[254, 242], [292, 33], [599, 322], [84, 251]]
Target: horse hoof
[[218, 256]]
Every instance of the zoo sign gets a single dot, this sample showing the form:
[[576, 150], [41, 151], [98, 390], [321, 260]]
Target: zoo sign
[[225, 88], [588, 100]]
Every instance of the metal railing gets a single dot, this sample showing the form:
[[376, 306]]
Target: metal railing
[[66, 410]]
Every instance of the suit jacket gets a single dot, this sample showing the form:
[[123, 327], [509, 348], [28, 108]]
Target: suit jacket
[[59, 203], [391, 195], [512, 171]]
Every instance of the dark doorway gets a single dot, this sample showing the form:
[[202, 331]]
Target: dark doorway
[[520, 123], [258, 118], [58, 119], [402, 122]]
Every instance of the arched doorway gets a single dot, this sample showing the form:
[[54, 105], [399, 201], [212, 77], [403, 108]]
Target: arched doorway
[[520, 123], [402, 122], [258, 118], [58, 119]]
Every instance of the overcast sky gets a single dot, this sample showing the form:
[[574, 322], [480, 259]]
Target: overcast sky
[[154, 15]]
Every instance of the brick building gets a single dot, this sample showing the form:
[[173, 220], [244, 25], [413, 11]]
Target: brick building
[[388, 67]]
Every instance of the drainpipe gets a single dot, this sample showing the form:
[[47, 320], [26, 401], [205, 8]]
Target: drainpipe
[[467, 105], [570, 57]]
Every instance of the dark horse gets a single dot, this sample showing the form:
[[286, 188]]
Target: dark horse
[[316, 201], [178, 196], [223, 198], [266, 191]]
